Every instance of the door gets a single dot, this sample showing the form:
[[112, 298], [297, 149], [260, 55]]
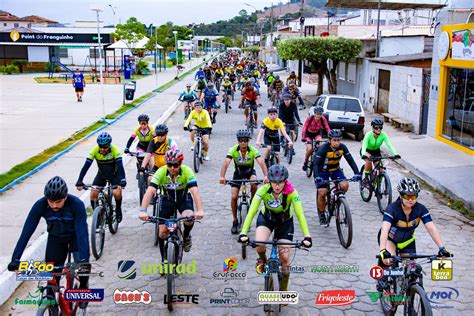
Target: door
[[425, 100], [383, 93]]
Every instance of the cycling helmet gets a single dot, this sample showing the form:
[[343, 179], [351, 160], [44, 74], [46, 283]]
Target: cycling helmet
[[243, 133], [210, 84], [188, 85], [292, 73], [408, 186], [335, 133], [197, 103], [252, 80], [226, 78], [55, 189], [161, 129], [272, 109], [318, 109], [174, 156], [143, 118], [286, 96], [377, 122], [277, 173], [104, 139], [277, 77]]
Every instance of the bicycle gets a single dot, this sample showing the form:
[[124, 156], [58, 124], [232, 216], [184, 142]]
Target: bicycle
[[226, 100], [336, 201], [408, 282], [276, 98], [379, 182], [244, 204], [250, 122], [198, 151], [104, 214], [53, 293], [141, 176], [187, 107], [272, 269], [273, 158], [287, 152], [173, 247], [309, 167]]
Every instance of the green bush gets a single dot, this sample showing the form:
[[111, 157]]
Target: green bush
[[173, 61], [48, 65], [142, 67], [20, 63], [9, 69]]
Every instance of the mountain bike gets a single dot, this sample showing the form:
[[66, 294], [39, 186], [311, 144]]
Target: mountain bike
[[406, 280], [273, 157], [187, 107], [244, 204], [287, 151], [173, 248], [250, 122], [141, 176], [226, 101], [272, 270], [309, 167], [337, 205], [198, 151], [378, 181], [104, 214]]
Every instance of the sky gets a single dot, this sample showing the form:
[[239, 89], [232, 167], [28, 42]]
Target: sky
[[180, 12]]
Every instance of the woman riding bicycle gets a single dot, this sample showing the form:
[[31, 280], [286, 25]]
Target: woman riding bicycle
[[188, 96], [280, 202], [313, 129]]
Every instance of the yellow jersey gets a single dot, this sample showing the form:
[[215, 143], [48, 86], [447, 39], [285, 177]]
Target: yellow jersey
[[201, 120], [272, 127]]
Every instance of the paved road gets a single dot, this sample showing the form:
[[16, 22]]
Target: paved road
[[213, 243]]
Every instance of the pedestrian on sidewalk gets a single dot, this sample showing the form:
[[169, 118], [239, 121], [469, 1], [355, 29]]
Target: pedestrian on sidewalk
[[79, 84]]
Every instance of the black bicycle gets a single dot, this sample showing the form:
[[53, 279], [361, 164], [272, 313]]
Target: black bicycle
[[250, 122], [309, 167], [378, 182], [104, 214], [406, 281], [142, 177], [174, 249], [198, 151], [274, 157], [226, 100], [187, 107]]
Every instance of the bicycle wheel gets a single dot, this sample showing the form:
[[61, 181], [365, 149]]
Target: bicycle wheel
[[384, 192], [296, 133], [196, 156], [309, 167], [170, 282], [156, 210], [417, 303], [98, 232], [365, 190], [112, 219], [272, 160], [227, 104], [242, 213], [289, 155], [142, 186], [343, 222], [269, 286], [389, 307]]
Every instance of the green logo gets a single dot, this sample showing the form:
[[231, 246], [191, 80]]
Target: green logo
[[388, 297], [442, 270], [166, 268]]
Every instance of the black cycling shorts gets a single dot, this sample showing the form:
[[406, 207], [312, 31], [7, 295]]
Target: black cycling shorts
[[101, 180], [410, 248], [241, 176], [253, 104], [272, 140], [169, 206], [312, 136], [205, 131], [283, 230], [375, 152]]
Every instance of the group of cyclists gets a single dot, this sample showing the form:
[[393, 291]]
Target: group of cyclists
[[177, 183]]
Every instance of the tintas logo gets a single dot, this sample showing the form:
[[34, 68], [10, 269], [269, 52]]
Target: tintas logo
[[230, 265], [127, 270]]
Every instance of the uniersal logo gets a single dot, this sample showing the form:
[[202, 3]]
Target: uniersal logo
[[230, 265], [84, 295], [166, 268], [335, 298], [278, 297], [442, 270]]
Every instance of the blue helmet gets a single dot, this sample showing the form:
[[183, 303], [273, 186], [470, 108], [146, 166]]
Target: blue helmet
[[104, 139]]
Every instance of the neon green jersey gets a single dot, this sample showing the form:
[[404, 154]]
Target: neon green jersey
[[372, 143], [243, 164]]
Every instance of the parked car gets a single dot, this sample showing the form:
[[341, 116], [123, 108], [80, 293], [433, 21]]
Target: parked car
[[465, 116], [343, 112]]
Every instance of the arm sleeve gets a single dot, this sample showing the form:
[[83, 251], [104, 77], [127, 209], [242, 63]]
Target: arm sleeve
[[28, 229], [130, 141], [295, 109], [426, 216], [257, 199], [389, 145], [84, 169], [280, 111], [150, 148], [181, 95], [81, 232], [305, 127], [326, 125], [121, 170], [350, 160], [365, 143], [298, 207]]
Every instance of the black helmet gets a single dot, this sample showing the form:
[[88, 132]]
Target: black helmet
[[377, 122], [335, 133], [272, 109], [277, 173], [197, 103], [277, 77], [318, 109], [143, 118], [243, 133], [161, 129], [104, 139], [408, 186], [286, 96], [55, 189]]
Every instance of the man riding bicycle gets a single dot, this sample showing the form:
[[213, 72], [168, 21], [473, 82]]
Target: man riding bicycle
[[179, 186], [199, 73], [269, 82], [326, 165], [210, 97], [200, 86], [313, 129], [294, 93], [276, 87], [244, 157], [227, 89], [145, 134], [250, 97], [288, 112], [158, 147], [293, 77], [188, 96], [109, 162], [280, 202], [202, 121]]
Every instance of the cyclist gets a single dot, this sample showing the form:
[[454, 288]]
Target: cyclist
[[276, 87], [66, 220], [254, 84], [243, 80], [208, 73], [269, 130], [294, 92], [371, 144], [313, 129], [200, 86], [244, 157], [227, 89], [199, 73], [293, 76], [400, 220], [233, 79], [179, 186], [218, 74], [270, 79], [158, 147], [280, 202], [256, 74], [145, 134], [202, 121], [109, 162], [288, 112], [326, 164], [251, 96], [188, 96], [210, 96]]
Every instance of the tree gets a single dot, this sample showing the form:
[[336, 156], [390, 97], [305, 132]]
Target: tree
[[131, 32], [318, 50]]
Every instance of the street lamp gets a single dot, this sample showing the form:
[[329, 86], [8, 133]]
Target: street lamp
[[97, 9], [176, 50]]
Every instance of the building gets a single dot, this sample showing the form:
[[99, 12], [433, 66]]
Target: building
[[9, 21]]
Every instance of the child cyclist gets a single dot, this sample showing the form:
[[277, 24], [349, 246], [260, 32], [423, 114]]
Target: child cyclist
[[145, 134]]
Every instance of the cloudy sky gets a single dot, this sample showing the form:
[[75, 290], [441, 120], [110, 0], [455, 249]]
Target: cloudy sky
[[148, 11]]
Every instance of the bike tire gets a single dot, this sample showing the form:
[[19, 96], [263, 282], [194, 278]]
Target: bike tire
[[242, 214], [414, 290], [296, 133], [112, 220], [365, 192], [170, 281], [142, 179], [289, 155], [196, 156], [387, 192], [250, 122], [156, 211], [269, 286], [389, 308], [227, 104], [346, 220], [50, 310], [272, 161], [309, 167], [98, 232]]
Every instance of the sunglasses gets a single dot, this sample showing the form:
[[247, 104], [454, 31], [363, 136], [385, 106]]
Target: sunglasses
[[378, 128], [104, 147], [277, 182], [409, 196], [173, 165], [243, 140], [161, 135]]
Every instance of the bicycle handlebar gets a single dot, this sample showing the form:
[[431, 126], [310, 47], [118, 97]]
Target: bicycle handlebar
[[244, 181], [99, 188], [414, 256], [338, 180], [372, 158], [139, 154], [156, 219], [295, 244]]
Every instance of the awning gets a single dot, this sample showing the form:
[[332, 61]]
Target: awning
[[124, 45], [387, 4]]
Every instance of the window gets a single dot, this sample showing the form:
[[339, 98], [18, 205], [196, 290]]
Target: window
[[320, 101], [351, 72], [15, 25], [63, 53], [94, 52], [342, 70], [344, 105]]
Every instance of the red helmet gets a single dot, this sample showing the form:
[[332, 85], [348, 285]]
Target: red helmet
[[174, 156]]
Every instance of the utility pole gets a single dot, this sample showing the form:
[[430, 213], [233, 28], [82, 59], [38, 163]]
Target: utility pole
[[300, 63], [271, 36], [377, 46]]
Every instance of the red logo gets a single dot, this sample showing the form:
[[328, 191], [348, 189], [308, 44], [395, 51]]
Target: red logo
[[335, 298], [376, 272]]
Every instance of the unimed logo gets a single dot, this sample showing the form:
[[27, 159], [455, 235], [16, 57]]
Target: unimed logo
[[335, 298]]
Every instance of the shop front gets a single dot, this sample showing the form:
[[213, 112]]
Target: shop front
[[455, 117]]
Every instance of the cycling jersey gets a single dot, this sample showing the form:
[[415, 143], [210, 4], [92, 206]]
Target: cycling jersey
[[159, 150], [277, 207], [201, 84], [272, 127], [198, 74], [78, 79], [372, 143], [288, 113], [270, 79], [201, 120], [243, 164], [256, 73], [210, 96], [328, 159], [144, 137], [188, 95], [250, 94], [313, 127], [277, 85], [177, 189], [219, 73], [109, 164], [227, 85], [293, 94], [294, 78]]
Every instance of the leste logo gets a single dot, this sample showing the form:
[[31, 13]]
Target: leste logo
[[130, 297], [335, 298]]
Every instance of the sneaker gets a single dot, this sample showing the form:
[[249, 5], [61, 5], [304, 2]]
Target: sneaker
[[230, 108], [118, 215], [260, 266], [206, 158], [235, 228], [187, 244], [322, 218]]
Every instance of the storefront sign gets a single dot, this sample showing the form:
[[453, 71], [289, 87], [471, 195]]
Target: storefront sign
[[52, 38], [463, 45]]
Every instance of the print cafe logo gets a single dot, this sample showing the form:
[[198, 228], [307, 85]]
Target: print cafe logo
[[229, 298], [229, 271]]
